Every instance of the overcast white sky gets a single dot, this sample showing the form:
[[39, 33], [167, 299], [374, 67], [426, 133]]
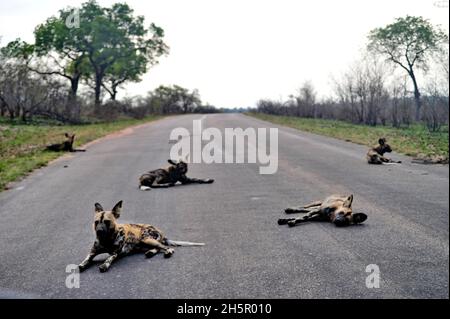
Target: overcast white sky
[[238, 51]]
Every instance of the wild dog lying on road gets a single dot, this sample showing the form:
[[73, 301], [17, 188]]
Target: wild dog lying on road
[[430, 159], [376, 154], [335, 208], [66, 146], [119, 240], [167, 177]]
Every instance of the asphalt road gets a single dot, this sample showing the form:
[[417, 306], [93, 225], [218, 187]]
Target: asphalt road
[[46, 222]]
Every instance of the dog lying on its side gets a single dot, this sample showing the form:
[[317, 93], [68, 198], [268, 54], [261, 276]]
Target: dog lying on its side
[[335, 208], [376, 154], [168, 177], [119, 240], [66, 146]]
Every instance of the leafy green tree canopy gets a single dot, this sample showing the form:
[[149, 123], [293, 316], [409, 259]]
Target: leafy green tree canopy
[[108, 42], [409, 43]]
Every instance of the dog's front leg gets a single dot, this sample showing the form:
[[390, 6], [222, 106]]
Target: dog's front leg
[[284, 221], [388, 160], [107, 264], [88, 260], [160, 183]]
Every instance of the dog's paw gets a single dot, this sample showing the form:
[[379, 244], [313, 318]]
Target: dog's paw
[[291, 223], [145, 188], [282, 221], [209, 181], [150, 253], [103, 268], [81, 268], [169, 252]]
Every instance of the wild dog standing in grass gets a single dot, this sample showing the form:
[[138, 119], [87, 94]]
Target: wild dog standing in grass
[[119, 240], [335, 208], [376, 154], [168, 177], [66, 146]]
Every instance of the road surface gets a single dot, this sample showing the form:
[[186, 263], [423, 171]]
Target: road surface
[[46, 223]]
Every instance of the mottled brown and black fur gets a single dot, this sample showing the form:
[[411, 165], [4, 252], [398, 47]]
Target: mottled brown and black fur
[[335, 208], [66, 146], [167, 177], [376, 154], [119, 240]]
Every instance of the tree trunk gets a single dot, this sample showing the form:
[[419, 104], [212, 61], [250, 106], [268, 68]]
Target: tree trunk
[[417, 98], [2, 109], [114, 93], [74, 88], [98, 87]]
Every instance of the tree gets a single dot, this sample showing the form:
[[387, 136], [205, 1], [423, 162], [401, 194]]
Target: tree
[[175, 99], [362, 89], [114, 36], [408, 42], [306, 100], [64, 55], [109, 44], [21, 93], [123, 70]]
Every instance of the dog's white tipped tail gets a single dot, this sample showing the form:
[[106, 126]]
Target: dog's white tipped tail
[[144, 188], [182, 243]]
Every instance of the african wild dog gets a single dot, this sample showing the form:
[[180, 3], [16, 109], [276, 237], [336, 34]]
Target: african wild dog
[[66, 146], [335, 208], [376, 154], [119, 240], [168, 177]]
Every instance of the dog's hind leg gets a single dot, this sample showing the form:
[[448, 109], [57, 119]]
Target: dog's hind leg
[[156, 247], [313, 204], [313, 215], [284, 221], [145, 182], [151, 252], [193, 180], [297, 209]]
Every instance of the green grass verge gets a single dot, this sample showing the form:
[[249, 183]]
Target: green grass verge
[[22, 146], [409, 141]]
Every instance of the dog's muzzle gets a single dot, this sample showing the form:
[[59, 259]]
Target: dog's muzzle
[[101, 231], [340, 221]]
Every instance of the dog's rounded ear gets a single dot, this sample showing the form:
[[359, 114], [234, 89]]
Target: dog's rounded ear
[[117, 209], [382, 141], [348, 202], [171, 162], [359, 218], [98, 208]]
